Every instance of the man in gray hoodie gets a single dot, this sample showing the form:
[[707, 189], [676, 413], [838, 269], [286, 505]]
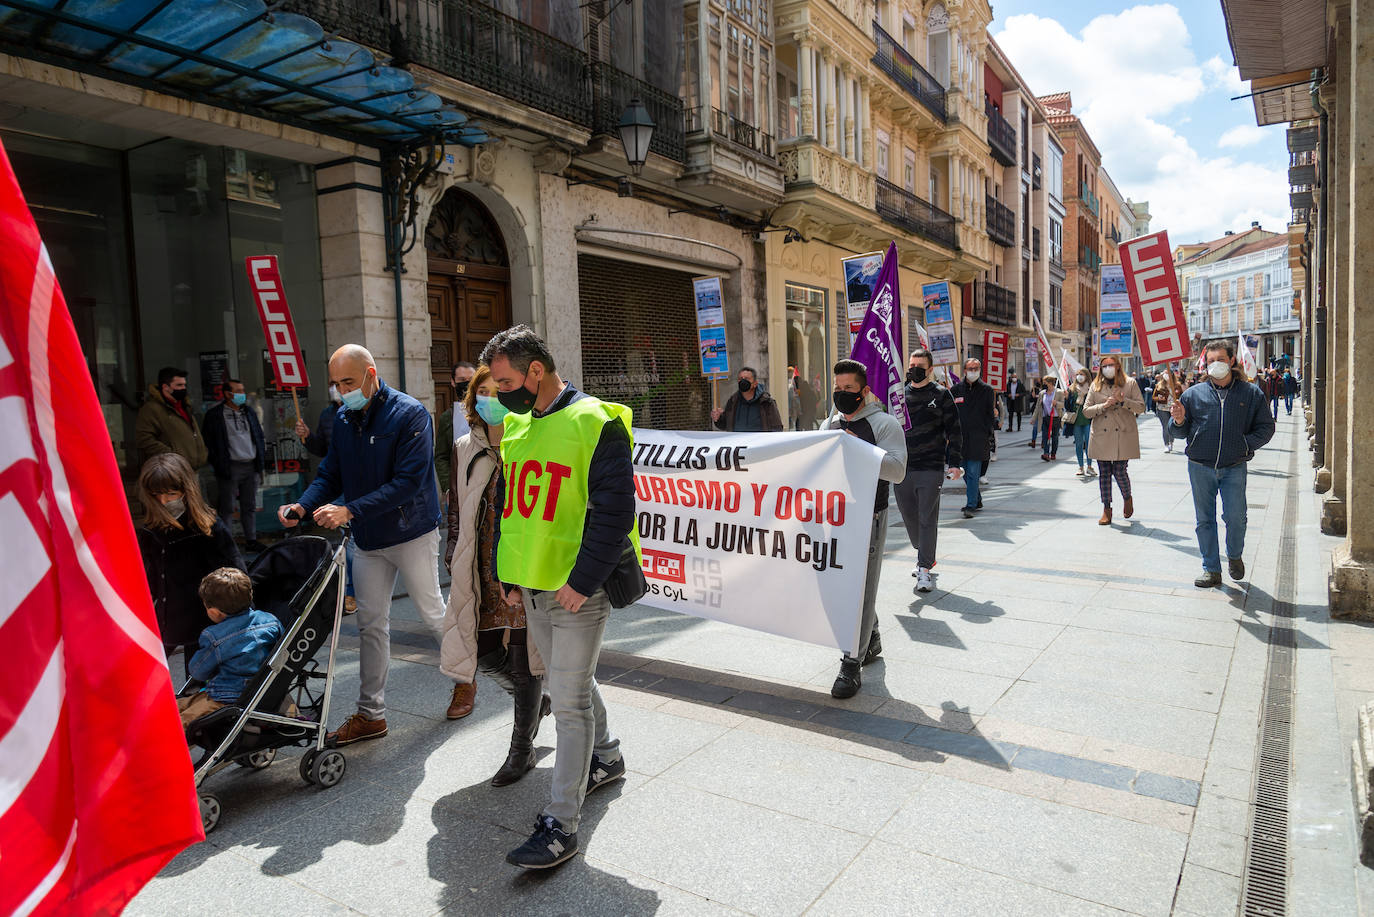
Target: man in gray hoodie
[[859, 414]]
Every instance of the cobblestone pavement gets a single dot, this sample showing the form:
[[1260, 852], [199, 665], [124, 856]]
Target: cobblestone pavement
[[1065, 726]]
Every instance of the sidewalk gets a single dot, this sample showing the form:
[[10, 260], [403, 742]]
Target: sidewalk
[[1065, 726]]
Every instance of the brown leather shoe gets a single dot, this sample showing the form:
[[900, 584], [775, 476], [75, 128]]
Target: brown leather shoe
[[464, 698], [1106, 516], [1129, 509], [356, 729]]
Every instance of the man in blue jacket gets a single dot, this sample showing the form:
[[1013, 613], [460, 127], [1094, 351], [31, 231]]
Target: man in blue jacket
[[381, 463], [1225, 421]]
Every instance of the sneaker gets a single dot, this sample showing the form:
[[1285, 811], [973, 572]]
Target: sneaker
[[875, 648], [1091, 471], [602, 773], [994, 457], [982, 482], [1208, 580], [968, 512], [357, 728], [848, 682], [1236, 567], [923, 583], [548, 846], [1080, 472], [1169, 447]]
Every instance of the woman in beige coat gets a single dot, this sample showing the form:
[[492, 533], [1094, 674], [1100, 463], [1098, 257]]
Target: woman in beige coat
[[1112, 404], [482, 632]]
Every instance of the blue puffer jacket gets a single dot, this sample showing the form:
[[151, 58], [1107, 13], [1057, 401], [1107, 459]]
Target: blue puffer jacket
[[232, 651], [381, 460], [1223, 431]]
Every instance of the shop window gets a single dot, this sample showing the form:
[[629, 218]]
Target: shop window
[[808, 342]]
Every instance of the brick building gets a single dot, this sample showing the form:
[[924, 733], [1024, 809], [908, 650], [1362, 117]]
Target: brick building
[[1082, 224]]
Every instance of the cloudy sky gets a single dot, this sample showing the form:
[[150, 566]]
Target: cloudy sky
[[1153, 83]]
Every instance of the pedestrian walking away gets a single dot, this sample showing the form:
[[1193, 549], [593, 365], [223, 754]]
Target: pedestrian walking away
[[571, 549], [1272, 386], [859, 413], [233, 439], [1048, 416], [973, 399], [381, 464], [1112, 404], [1078, 422], [1290, 388], [1224, 422], [482, 631], [934, 445], [749, 410]]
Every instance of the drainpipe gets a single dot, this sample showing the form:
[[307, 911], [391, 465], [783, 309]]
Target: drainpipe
[[391, 211], [1319, 360]]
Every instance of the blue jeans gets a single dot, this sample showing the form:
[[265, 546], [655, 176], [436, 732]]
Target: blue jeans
[[1081, 432], [1274, 404], [971, 495], [1288, 402], [1207, 483]]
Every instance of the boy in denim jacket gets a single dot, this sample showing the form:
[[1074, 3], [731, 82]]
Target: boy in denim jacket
[[233, 648]]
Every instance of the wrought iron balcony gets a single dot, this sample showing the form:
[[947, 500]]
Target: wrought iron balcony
[[1001, 222], [1302, 175], [1001, 137], [726, 126], [993, 304], [911, 76], [1301, 139], [1035, 244], [902, 208], [1087, 197], [612, 91], [1037, 174], [1302, 214]]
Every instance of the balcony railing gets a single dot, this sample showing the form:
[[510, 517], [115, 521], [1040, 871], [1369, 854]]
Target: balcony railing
[[1302, 175], [1301, 199], [1001, 137], [1089, 259], [911, 76], [1057, 257], [1089, 199], [1037, 174], [1115, 235], [902, 208], [993, 304], [1301, 139], [474, 43], [1001, 222], [1035, 244], [727, 127]]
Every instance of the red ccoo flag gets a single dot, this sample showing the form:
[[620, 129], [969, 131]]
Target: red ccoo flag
[[96, 787]]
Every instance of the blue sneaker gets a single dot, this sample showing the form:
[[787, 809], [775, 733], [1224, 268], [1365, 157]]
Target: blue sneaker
[[604, 773], [548, 846]]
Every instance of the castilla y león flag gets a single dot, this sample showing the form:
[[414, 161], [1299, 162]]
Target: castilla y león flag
[[96, 790]]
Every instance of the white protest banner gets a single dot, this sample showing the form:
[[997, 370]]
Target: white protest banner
[[767, 532]]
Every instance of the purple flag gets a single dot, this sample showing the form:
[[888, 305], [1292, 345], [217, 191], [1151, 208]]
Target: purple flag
[[878, 345]]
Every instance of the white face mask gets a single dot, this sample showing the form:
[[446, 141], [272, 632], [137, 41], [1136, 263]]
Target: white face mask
[[1109, 372], [1082, 380], [973, 376], [1218, 369]]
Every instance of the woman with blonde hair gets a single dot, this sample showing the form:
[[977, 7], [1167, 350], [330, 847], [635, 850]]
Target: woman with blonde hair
[[1112, 405], [481, 631], [182, 540]]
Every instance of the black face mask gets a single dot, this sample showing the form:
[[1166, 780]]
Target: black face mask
[[518, 401], [179, 394], [848, 402], [744, 386], [461, 388], [916, 375]]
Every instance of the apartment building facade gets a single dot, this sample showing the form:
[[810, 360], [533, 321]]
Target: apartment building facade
[[1082, 225]]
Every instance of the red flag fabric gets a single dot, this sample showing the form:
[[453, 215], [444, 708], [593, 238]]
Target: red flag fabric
[[96, 786]]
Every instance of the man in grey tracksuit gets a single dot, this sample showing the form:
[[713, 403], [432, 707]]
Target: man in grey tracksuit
[[860, 414]]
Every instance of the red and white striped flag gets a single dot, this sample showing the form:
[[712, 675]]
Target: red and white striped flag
[[96, 786]]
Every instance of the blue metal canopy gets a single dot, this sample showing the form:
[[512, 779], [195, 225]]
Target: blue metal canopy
[[237, 54]]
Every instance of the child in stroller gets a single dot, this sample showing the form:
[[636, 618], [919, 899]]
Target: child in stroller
[[233, 648], [285, 701]]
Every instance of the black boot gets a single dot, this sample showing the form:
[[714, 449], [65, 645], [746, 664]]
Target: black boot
[[531, 705], [496, 666]]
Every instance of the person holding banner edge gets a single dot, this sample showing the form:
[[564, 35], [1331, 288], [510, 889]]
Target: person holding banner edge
[[934, 447], [859, 413]]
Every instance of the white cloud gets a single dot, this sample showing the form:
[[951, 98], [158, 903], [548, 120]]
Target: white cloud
[[1242, 135], [1136, 83]]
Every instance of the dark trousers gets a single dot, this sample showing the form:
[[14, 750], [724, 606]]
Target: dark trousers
[[1049, 433], [1012, 413], [243, 483]]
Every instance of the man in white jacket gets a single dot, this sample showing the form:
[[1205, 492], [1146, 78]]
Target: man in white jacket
[[860, 414]]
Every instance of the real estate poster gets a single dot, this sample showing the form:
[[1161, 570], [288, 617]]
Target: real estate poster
[[1115, 311], [860, 276], [714, 358], [944, 345], [710, 306]]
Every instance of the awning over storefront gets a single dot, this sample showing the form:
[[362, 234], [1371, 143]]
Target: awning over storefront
[[237, 54]]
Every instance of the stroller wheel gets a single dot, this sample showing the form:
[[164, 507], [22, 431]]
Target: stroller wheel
[[257, 760], [328, 768], [209, 812], [308, 765]]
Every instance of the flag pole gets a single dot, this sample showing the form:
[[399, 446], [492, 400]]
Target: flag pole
[[296, 400]]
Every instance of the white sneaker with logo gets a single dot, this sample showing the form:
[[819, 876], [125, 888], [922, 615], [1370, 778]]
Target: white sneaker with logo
[[923, 583]]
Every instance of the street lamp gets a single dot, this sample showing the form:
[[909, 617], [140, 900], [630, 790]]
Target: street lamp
[[636, 128]]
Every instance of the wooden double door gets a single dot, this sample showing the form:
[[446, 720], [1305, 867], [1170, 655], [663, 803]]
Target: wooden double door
[[468, 303]]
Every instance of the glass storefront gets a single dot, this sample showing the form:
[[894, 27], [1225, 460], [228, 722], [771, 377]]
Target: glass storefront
[[808, 344], [148, 238]]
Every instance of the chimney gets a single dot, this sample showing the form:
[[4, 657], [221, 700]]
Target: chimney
[[1230, 233], [1254, 224]]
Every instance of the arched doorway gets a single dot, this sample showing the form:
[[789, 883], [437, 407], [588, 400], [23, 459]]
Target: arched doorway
[[469, 286]]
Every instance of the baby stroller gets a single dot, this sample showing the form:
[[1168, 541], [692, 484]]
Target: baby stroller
[[300, 580]]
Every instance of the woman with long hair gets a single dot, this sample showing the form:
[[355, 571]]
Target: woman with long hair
[[1166, 393], [1112, 405], [181, 539], [1078, 422], [481, 631]]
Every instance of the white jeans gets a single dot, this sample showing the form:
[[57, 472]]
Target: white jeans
[[374, 579]]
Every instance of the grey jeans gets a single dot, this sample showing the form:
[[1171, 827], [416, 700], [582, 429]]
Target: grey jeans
[[876, 546], [918, 500], [243, 482], [570, 644], [374, 579]]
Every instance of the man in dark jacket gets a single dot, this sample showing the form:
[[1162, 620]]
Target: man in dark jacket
[[233, 437], [750, 410], [974, 400], [165, 422], [381, 462], [1016, 399], [933, 443], [567, 527], [1225, 421]]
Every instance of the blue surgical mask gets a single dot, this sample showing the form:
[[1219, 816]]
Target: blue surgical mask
[[491, 410], [240, 398], [354, 400]]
